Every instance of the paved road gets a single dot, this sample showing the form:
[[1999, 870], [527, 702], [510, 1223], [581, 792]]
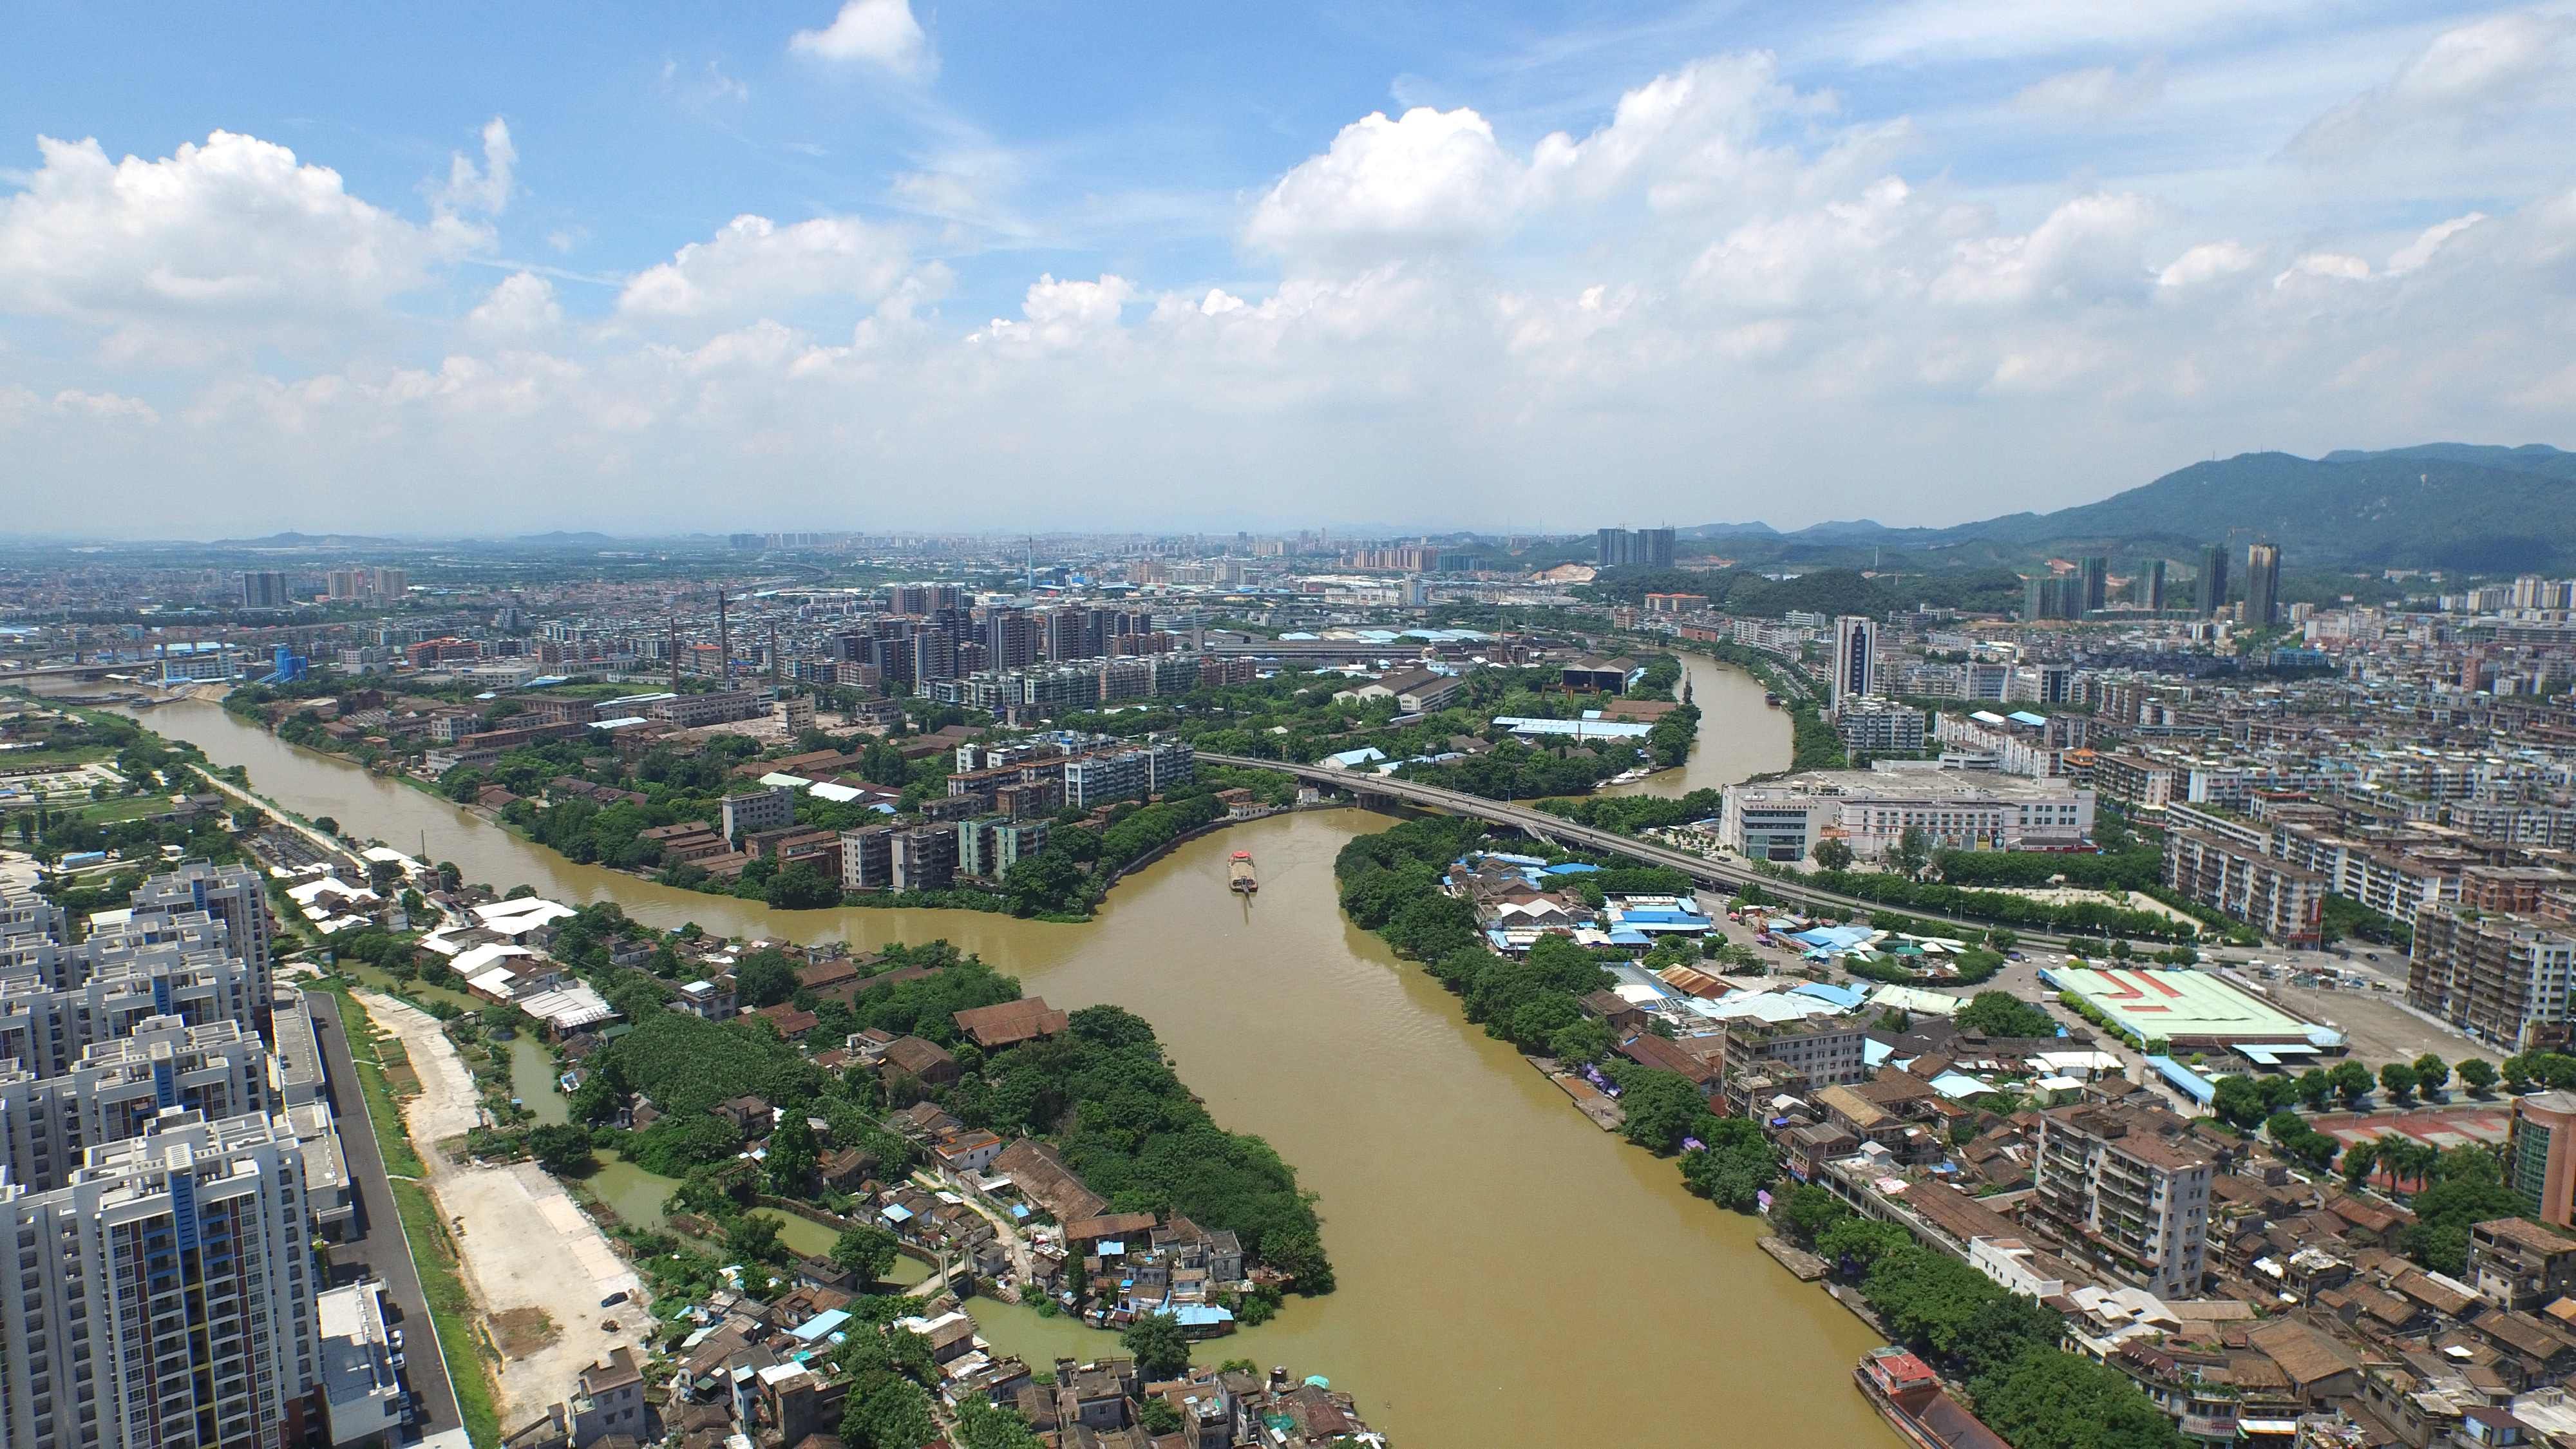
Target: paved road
[[1724, 874], [382, 1251], [331, 848]]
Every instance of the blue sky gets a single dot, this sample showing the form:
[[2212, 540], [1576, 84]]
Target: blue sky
[[977, 265]]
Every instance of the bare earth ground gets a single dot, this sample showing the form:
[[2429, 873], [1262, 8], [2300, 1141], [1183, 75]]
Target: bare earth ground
[[531, 1256]]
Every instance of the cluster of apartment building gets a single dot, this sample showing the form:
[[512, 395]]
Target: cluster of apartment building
[[2408, 760], [2250, 1299], [999, 810], [167, 1159], [1040, 691]]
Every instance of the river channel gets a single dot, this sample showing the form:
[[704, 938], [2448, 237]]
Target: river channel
[[1511, 1275], [1739, 735]]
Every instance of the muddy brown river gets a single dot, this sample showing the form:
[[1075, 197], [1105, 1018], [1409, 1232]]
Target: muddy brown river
[[1511, 1275]]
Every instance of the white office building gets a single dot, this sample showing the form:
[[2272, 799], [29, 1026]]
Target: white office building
[[1870, 810]]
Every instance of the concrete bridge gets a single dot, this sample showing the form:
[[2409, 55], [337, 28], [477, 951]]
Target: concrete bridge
[[1368, 788]]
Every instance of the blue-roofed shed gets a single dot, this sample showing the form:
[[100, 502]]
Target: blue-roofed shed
[[1846, 997], [2190, 1083], [820, 1326]]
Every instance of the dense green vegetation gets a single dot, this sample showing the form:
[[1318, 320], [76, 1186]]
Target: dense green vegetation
[[1518, 770], [1064, 881], [1746, 593], [1102, 1092], [1294, 717], [153, 769], [2457, 1190], [1636, 814], [2346, 918], [2002, 1346], [2084, 918], [2137, 867], [2000, 1013], [1390, 885]]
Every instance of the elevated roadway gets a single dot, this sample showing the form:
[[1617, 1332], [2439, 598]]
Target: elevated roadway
[[1728, 875]]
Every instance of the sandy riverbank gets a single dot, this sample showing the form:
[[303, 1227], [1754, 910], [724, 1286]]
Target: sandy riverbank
[[527, 1248]]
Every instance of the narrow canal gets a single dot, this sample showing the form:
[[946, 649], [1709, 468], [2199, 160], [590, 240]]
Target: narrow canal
[[1510, 1274], [1739, 736]]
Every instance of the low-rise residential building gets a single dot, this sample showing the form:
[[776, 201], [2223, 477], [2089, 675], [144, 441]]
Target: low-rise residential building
[[2517, 1264], [752, 811]]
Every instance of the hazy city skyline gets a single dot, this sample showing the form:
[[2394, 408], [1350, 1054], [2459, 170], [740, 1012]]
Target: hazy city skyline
[[883, 268]]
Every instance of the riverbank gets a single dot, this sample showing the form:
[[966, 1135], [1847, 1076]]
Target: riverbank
[[538, 1267], [1495, 1325]]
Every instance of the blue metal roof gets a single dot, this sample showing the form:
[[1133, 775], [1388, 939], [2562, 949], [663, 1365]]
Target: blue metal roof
[[2192, 1084], [1845, 997], [819, 1326]]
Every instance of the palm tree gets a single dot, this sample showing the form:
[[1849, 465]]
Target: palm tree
[[2396, 1155], [2408, 1160]]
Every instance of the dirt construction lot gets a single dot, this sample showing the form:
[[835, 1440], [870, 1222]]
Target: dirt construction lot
[[534, 1261]]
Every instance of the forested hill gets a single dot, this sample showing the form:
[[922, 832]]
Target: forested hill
[[1825, 591], [2459, 506], [2445, 505]]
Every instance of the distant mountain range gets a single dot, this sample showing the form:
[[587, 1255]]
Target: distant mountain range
[[2439, 505]]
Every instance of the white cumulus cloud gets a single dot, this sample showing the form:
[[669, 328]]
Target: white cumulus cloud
[[2412, 256], [213, 248], [2484, 70], [522, 305], [881, 33], [1426, 178], [484, 189], [754, 264], [2207, 262]]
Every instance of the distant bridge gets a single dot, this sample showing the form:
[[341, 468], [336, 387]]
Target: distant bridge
[[1369, 788], [136, 667]]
